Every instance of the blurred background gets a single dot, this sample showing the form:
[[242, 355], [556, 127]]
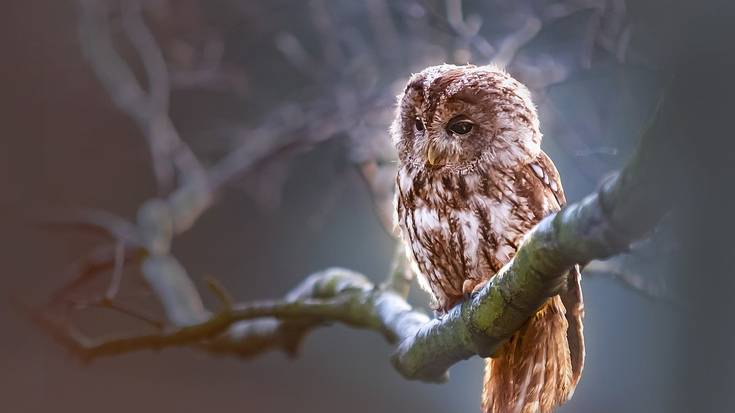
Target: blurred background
[[312, 84]]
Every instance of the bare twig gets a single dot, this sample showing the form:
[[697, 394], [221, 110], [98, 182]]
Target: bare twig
[[104, 302], [468, 29], [99, 260], [148, 109], [400, 276], [221, 293], [510, 46], [630, 280], [98, 221], [117, 271]]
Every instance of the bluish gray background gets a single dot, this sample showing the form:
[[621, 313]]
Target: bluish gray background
[[64, 145]]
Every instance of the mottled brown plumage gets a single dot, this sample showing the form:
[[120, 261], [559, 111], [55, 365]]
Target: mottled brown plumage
[[472, 182]]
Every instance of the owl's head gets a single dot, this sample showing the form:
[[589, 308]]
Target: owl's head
[[454, 118]]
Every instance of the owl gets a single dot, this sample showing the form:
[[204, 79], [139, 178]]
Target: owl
[[472, 181]]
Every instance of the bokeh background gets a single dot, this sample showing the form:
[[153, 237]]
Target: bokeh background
[[324, 73]]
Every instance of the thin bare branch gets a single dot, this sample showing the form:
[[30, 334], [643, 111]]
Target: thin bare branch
[[634, 282], [221, 293], [149, 109], [117, 271], [400, 277], [96, 220], [87, 268], [510, 46], [104, 302]]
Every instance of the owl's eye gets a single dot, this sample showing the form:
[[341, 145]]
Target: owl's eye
[[461, 127], [418, 124]]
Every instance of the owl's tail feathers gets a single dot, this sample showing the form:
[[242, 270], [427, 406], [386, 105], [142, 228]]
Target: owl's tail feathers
[[532, 372]]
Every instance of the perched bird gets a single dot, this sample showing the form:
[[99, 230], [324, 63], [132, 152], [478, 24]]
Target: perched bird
[[472, 181]]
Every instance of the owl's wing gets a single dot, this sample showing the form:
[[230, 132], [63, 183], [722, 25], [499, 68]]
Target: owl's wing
[[547, 179], [574, 304], [547, 195]]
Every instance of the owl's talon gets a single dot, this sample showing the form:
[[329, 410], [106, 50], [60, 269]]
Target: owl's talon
[[468, 287], [471, 287], [479, 286]]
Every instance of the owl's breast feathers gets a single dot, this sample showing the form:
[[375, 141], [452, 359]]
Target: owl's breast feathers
[[459, 227]]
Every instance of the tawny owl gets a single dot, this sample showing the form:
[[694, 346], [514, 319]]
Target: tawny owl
[[472, 181]]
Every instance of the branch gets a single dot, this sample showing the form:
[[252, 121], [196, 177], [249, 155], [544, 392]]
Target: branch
[[149, 109], [333, 295], [634, 282]]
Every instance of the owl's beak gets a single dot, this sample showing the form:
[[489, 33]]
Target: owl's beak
[[432, 154], [438, 154]]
